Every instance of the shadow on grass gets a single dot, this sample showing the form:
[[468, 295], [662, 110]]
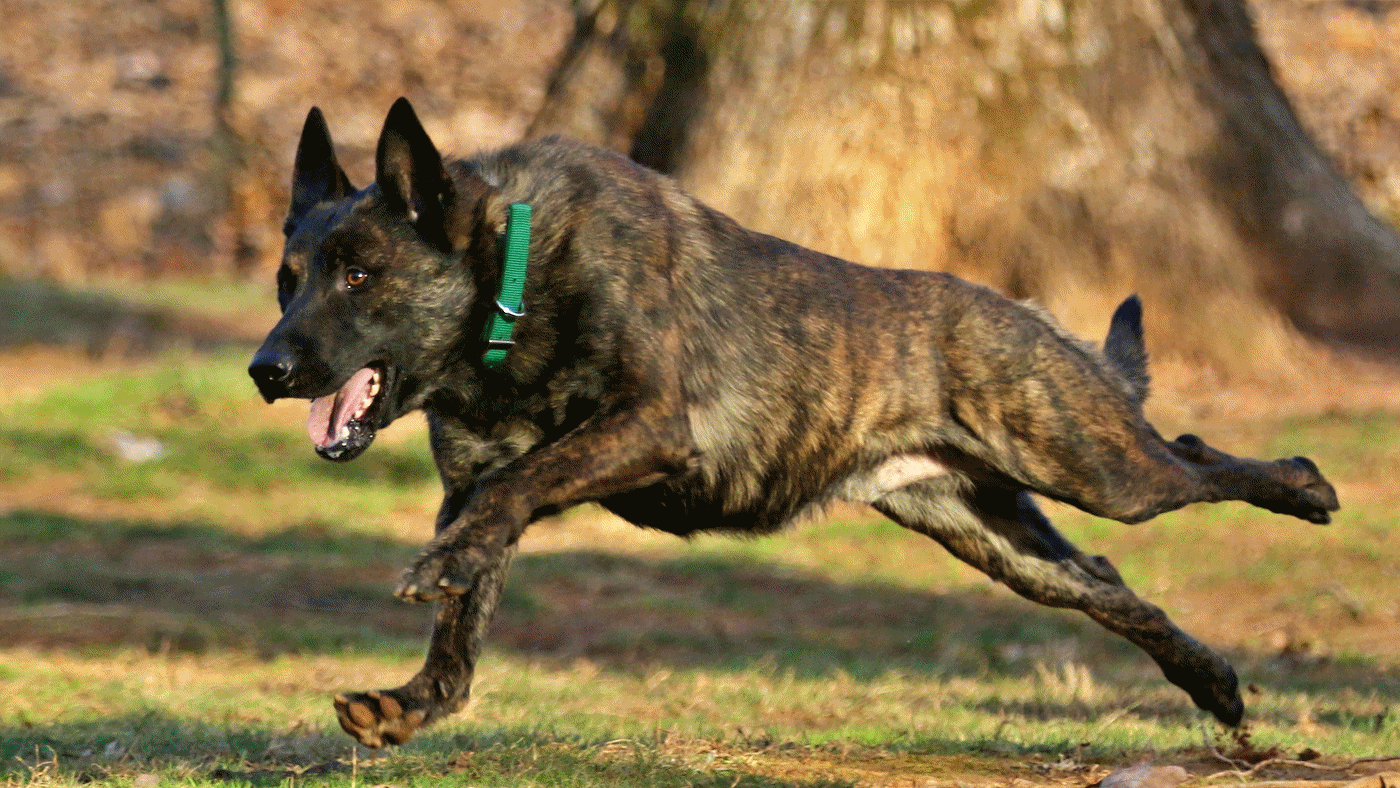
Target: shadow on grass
[[43, 313], [123, 747], [177, 586]]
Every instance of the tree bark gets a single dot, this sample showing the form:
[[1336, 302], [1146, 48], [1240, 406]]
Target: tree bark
[[1067, 150]]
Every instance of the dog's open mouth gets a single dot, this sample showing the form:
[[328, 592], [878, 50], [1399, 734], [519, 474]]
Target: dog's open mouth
[[341, 425]]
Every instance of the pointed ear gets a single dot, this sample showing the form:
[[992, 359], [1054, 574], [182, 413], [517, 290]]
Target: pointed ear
[[316, 176], [410, 173]]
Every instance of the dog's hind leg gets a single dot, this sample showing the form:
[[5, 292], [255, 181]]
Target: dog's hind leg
[[1288, 486], [1004, 534], [1157, 476], [382, 717], [1068, 423]]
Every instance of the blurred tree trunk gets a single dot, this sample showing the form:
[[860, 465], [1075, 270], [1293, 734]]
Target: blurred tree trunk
[[1067, 150], [226, 147]]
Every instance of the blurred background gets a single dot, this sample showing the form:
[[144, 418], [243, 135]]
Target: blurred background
[[1070, 152], [147, 139]]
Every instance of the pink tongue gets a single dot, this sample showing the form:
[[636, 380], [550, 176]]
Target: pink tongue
[[332, 412]]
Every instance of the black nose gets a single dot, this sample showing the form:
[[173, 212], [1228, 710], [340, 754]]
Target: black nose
[[271, 369]]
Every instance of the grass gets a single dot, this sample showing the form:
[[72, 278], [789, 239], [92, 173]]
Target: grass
[[183, 616]]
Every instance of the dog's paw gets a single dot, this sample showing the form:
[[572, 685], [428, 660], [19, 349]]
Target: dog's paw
[[439, 574], [1220, 699], [1311, 496], [1212, 685], [378, 718]]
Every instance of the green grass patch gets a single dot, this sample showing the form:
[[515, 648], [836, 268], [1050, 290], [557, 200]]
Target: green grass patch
[[188, 415], [185, 614]]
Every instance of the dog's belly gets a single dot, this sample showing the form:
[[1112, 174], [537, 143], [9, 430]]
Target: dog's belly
[[689, 506], [685, 508], [899, 470]]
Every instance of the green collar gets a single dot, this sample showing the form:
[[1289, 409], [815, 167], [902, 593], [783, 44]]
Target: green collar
[[509, 303]]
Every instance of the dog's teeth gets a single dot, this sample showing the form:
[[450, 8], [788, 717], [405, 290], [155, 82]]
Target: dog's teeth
[[369, 397], [364, 406], [344, 432]]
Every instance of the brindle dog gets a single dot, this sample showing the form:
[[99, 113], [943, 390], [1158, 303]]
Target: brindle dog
[[692, 375]]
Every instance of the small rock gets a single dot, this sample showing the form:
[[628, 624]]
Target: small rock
[[134, 448], [1145, 775]]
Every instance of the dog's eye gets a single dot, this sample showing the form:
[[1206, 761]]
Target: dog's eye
[[286, 280], [286, 286], [356, 277]]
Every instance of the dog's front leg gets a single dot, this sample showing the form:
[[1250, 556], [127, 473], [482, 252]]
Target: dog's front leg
[[625, 450], [392, 716]]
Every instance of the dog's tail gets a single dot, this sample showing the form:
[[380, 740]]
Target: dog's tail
[[1124, 348]]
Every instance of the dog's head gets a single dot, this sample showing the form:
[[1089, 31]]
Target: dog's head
[[375, 286]]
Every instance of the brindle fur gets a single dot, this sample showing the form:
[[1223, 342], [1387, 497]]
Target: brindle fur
[[692, 375]]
